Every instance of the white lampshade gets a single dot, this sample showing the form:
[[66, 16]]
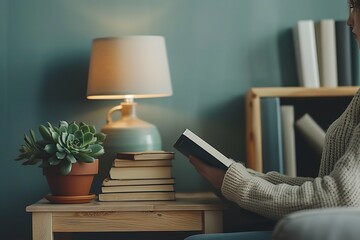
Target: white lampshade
[[129, 67]]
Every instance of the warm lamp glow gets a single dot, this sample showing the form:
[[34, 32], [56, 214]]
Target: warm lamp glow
[[134, 65]]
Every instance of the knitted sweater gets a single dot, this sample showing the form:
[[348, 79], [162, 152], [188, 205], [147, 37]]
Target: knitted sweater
[[274, 195]]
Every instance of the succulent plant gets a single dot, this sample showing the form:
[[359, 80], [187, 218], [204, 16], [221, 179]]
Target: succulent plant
[[62, 145]]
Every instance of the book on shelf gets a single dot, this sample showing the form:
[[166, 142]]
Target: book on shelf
[[355, 61], [135, 182], [271, 135], [139, 188], [137, 196], [189, 144], [288, 136], [326, 52], [146, 155], [343, 53], [306, 53], [141, 163], [140, 172], [312, 132]]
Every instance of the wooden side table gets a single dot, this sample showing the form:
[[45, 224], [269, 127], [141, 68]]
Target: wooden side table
[[190, 212]]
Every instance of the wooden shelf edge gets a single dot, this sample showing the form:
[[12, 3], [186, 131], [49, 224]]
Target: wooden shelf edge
[[303, 91]]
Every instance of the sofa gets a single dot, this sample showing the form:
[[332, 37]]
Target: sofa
[[340, 223]]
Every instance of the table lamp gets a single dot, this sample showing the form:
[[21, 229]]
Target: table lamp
[[127, 68]]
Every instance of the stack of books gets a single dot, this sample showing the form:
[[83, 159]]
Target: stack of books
[[140, 176]]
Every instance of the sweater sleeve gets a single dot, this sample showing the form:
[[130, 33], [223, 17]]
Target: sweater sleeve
[[276, 178], [274, 200]]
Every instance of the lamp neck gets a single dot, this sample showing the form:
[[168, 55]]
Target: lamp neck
[[128, 109]]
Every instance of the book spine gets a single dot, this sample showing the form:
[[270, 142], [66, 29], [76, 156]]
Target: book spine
[[312, 132], [271, 135], [343, 53], [326, 51], [355, 61], [140, 196], [306, 54], [288, 133], [140, 163], [140, 172], [140, 188]]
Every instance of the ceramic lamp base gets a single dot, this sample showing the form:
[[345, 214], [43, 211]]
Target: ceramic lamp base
[[132, 140], [129, 133]]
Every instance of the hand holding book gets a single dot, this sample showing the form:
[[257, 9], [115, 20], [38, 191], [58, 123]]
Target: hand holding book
[[189, 144], [212, 174]]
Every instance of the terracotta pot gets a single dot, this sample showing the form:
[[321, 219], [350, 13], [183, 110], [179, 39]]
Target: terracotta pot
[[76, 183]]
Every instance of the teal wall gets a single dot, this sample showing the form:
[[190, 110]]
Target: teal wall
[[217, 49]]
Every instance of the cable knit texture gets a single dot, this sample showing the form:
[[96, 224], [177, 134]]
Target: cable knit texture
[[274, 195]]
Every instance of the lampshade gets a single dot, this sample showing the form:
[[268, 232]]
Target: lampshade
[[135, 66]]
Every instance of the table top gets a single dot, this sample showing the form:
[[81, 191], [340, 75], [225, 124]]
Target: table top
[[184, 201]]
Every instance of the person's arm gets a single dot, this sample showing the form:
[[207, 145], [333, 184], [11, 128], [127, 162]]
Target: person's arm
[[215, 175], [340, 188], [278, 178]]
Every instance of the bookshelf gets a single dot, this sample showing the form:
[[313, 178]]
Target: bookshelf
[[325, 103]]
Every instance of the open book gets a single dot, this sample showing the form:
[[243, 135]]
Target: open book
[[190, 144]]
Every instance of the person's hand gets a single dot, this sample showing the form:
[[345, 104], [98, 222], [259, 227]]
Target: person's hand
[[214, 175]]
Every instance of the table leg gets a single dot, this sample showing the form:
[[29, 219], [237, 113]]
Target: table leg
[[42, 226], [213, 221]]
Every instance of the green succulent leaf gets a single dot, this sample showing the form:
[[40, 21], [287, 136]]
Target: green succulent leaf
[[54, 135], [87, 138], [53, 128], [64, 138], [53, 160], [59, 147], [33, 160], [96, 150], [92, 129], [84, 158], [60, 155], [56, 129], [71, 137], [73, 127], [70, 158], [79, 134], [63, 126], [32, 137], [85, 129], [50, 148], [45, 133], [84, 150], [100, 137], [65, 167]]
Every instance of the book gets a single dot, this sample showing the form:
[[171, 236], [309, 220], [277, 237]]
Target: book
[[288, 136], [312, 132], [146, 155], [306, 53], [271, 135], [141, 163], [140, 172], [343, 53], [190, 144], [326, 51], [137, 196], [135, 182], [355, 61], [138, 188]]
